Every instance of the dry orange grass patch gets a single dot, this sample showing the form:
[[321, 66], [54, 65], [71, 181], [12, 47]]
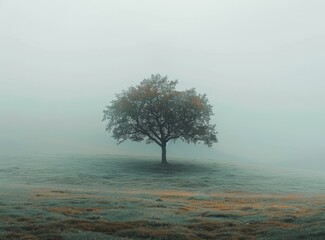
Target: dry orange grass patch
[[187, 208], [290, 197], [45, 194], [173, 194]]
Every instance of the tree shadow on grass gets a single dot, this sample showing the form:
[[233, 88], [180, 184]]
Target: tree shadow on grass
[[174, 167]]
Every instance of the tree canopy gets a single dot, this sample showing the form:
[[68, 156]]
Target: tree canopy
[[155, 111]]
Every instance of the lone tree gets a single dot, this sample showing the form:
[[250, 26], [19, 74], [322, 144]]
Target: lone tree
[[155, 112]]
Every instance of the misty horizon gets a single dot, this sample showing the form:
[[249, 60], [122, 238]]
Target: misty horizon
[[62, 62]]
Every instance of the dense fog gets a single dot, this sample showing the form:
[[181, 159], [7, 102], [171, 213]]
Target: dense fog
[[260, 63]]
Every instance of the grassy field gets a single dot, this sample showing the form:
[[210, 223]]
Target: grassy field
[[111, 197]]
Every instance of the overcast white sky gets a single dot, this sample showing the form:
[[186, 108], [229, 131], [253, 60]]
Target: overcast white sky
[[260, 62]]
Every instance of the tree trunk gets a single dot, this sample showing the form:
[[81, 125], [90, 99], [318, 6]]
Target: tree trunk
[[163, 154]]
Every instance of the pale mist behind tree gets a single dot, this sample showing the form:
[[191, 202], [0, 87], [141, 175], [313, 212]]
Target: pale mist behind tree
[[155, 111]]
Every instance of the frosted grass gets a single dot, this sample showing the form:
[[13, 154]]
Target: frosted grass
[[104, 171]]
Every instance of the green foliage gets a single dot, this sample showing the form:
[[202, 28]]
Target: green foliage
[[155, 111]]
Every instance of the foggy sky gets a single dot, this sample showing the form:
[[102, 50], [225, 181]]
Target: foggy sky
[[261, 64]]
